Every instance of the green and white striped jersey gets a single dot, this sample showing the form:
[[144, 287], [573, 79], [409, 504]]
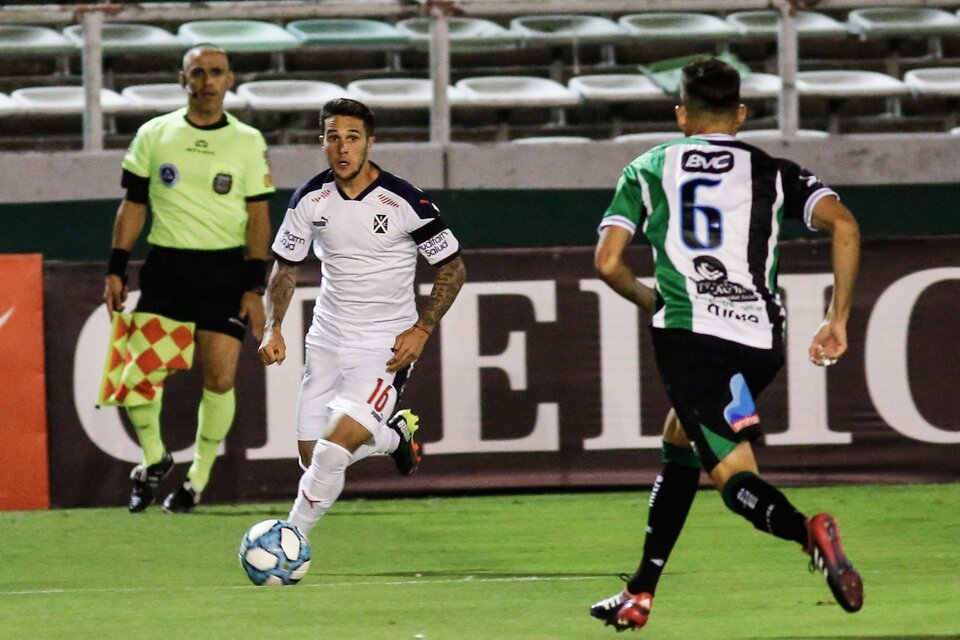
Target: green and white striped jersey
[[711, 207]]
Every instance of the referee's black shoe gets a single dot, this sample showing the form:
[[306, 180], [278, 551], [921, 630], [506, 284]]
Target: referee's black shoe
[[183, 499], [409, 453], [146, 479]]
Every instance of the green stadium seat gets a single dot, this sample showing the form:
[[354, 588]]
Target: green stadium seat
[[22, 40], [161, 98], [238, 35], [677, 27], [65, 100], [119, 37], [399, 93], [289, 95], [466, 34], [339, 33], [763, 25]]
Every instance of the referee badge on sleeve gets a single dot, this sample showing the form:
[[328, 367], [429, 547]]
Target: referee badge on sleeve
[[222, 183]]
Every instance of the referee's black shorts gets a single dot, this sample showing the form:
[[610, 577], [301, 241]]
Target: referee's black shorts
[[712, 384], [204, 287]]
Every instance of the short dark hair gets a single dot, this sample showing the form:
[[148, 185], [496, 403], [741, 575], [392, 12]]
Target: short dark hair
[[710, 84], [348, 107]]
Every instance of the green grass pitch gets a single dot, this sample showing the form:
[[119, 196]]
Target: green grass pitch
[[485, 568]]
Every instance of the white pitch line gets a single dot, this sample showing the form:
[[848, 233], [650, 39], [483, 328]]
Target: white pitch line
[[327, 585]]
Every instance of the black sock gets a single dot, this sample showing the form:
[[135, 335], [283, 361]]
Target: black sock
[[670, 501], [764, 506]]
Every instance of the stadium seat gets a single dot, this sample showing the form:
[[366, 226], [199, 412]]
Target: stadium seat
[[760, 86], [849, 84], [677, 27], [238, 35], [21, 40], [65, 100], [8, 105], [901, 22], [896, 25], [648, 139], [935, 81], [751, 135], [504, 93], [347, 33], [538, 140], [838, 86], [617, 91], [399, 93], [566, 29], [119, 37], [763, 25], [616, 87], [466, 34], [161, 98], [289, 95], [516, 91]]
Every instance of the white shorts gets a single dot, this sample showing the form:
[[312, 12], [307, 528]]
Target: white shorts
[[346, 380]]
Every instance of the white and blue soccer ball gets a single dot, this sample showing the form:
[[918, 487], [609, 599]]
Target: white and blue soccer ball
[[274, 552]]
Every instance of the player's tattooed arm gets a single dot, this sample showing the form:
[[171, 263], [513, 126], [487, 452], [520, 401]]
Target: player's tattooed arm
[[450, 278], [283, 281]]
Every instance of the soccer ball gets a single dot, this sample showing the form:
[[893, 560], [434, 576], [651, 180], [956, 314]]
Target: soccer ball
[[274, 552]]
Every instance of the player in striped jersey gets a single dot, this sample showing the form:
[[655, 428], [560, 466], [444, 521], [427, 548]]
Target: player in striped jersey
[[367, 227], [711, 208]]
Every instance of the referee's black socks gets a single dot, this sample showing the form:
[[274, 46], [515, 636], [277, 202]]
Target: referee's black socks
[[764, 506]]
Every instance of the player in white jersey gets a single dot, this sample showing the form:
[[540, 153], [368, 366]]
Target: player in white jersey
[[367, 227], [711, 208]]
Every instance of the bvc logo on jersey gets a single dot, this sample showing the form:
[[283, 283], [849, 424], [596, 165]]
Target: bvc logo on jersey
[[707, 161]]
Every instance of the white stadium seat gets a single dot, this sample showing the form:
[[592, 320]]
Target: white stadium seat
[[289, 95], [119, 37], [616, 87], [399, 93], [545, 140], [65, 100], [160, 98]]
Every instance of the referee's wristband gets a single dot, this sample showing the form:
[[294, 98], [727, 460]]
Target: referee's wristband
[[118, 263], [256, 275]]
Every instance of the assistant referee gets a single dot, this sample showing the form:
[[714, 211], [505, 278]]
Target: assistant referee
[[205, 176]]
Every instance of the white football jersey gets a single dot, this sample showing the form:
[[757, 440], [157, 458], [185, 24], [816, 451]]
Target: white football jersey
[[368, 249]]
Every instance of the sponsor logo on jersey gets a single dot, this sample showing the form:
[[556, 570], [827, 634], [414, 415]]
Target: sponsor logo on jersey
[[322, 222], [169, 174], [707, 161], [726, 312], [744, 422], [290, 241], [222, 182], [380, 223], [200, 146], [436, 244], [715, 282]]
